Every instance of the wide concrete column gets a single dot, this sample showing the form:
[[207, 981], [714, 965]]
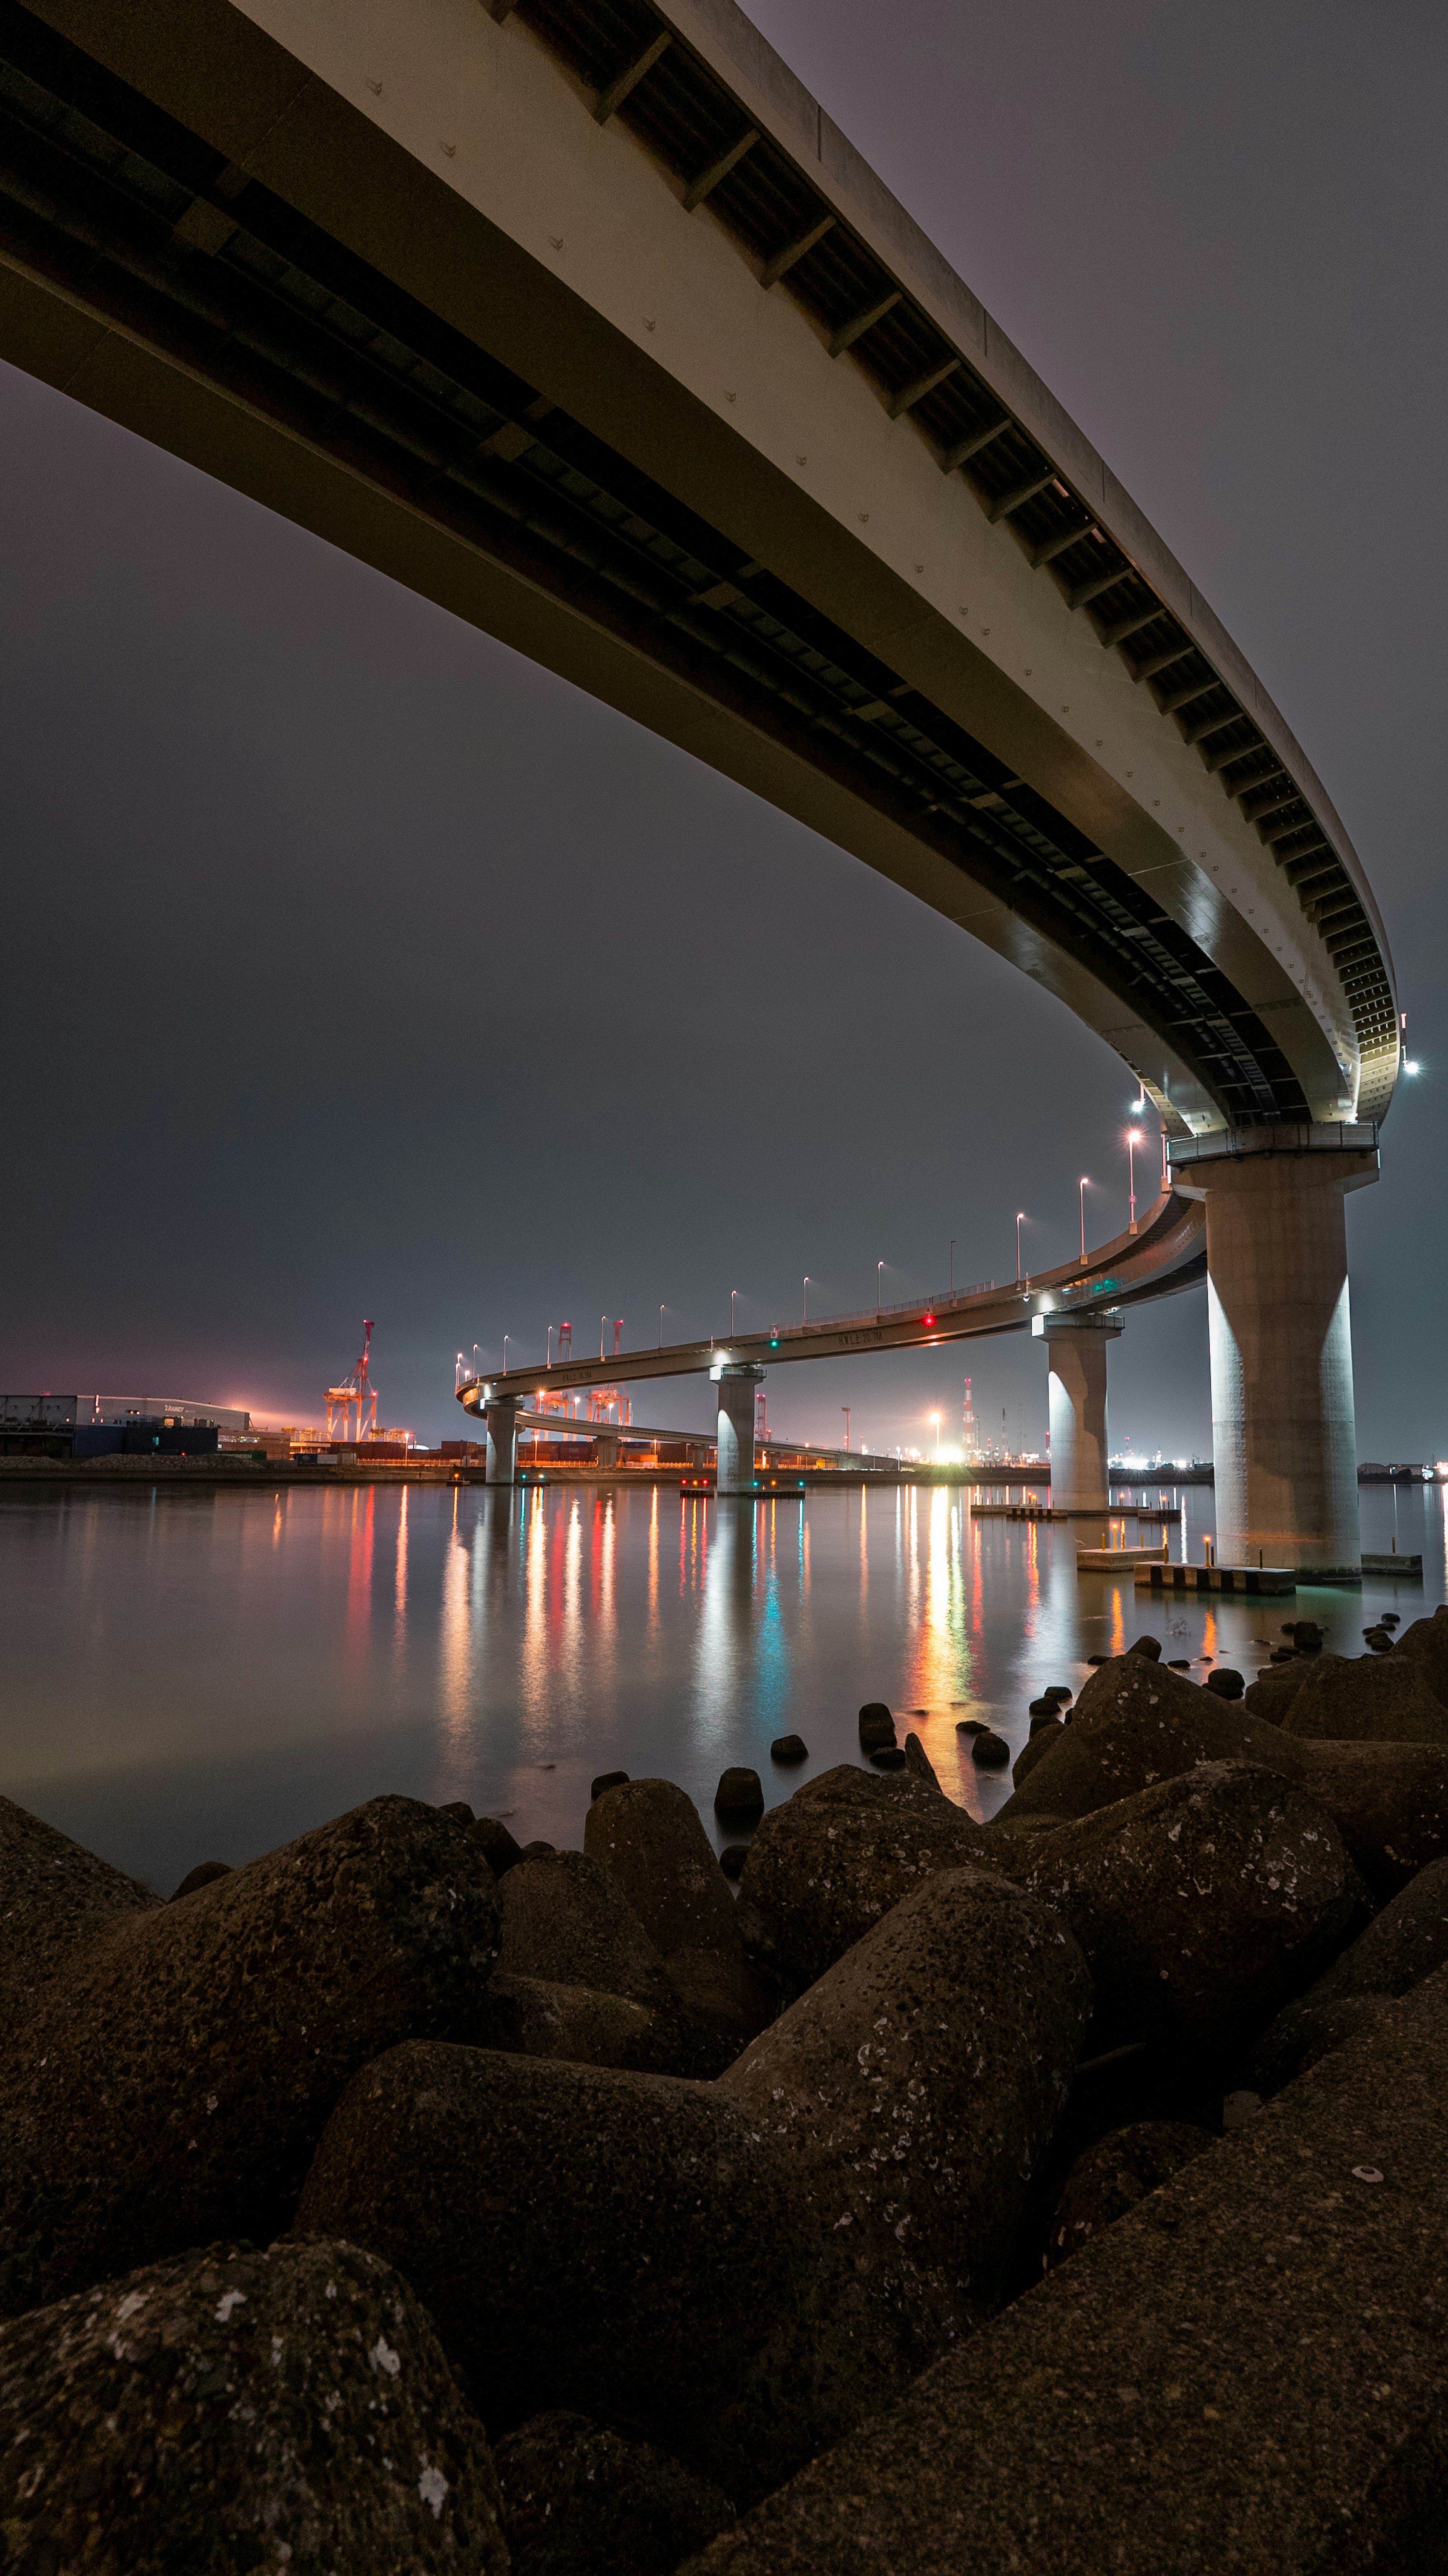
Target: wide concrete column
[[1284, 1436], [1076, 1356], [605, 1449], [735, 1470], [502, 1459]]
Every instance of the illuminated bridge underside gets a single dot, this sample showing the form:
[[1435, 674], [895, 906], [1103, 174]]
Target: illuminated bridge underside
[[578, 317], [1168, 1252]]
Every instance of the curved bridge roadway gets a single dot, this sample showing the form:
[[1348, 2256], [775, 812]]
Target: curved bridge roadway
[[580, 318]]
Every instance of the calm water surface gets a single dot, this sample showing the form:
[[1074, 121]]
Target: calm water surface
[[199, 1676]]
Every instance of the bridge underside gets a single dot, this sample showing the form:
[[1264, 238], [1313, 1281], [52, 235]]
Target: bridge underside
[[147, 271]]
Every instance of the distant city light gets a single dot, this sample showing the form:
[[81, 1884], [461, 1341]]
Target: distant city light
[[1411, 1064]]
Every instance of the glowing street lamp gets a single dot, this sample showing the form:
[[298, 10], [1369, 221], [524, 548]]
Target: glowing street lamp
[[1085, 1186], [879, 1284], [733, 1293], [1133, 1139], [1020, 1221], [661, 1328], [505, 1355], [806, 1297], [845, 1410]]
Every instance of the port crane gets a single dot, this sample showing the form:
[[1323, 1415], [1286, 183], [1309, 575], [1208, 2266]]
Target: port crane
[[356, 1392]]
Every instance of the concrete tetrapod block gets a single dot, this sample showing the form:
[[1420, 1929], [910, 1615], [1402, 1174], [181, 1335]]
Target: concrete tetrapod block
[[622, 2245], [1136, 1723], [1375, 1699], [826, 1865], [649, 1837], [536, 2017], [1201, 1904], [579, 2500], [231, 2409], [1425, 1644], [915, 2090], [1249, 2371], [566, 1920], [175, 2078], [55, 1898]]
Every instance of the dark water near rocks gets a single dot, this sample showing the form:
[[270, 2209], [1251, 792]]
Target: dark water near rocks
[[199, 1676]]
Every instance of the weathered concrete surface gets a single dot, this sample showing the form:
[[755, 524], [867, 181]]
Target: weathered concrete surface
[[1201, 1904], [1249, 2372], [916, 2089], [826, 1865], [231, 2409], [565, 1920], [535, 2017], [1375, 1699], [624, 2245], [1401, 1946], [1425, 1644], [55, 1898], [1114, 2175], [1136, 1723], [579, 2500], [648, 1835], [176, 2076]]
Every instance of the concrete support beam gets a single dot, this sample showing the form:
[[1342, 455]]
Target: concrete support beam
[[502, 1426], [605, 1449], [1076, 1354], [1284, 1436], [736, 1382]]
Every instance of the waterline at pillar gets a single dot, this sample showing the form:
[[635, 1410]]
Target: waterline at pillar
[[1076, 1355], [1284, 1435], [736, 1381], [502, 1427]]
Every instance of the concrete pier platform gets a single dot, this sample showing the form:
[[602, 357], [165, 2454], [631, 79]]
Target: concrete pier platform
[[1118, 1560], [1216, 1578], [1249, 2371]]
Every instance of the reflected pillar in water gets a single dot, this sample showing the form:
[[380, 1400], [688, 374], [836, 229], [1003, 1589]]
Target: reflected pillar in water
[[1076, 1354], [502, 1426], [736, 1380]]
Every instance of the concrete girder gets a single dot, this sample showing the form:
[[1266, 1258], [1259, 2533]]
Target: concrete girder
[[429, 167]]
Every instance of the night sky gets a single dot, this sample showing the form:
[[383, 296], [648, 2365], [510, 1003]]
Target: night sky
[[353, 965]]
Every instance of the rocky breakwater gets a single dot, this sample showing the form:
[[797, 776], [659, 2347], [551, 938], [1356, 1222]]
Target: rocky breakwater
[[171, 2079], [946, 2147]]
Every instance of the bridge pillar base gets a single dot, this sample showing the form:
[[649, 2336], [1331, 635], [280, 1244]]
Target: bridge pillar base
[[1284, 1434], [1076, 1356], [502, 1459], [605, 1449], [735, 1470]]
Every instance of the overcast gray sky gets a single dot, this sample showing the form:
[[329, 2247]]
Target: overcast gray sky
[[355, 966]]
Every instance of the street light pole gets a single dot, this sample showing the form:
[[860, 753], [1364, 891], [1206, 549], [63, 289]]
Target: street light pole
[[845, 1410], [806, 1297], [602, 1330], [1020, 1221], [1083, 1215], [505, 1355], [661, 1328], [1131, 1144], [952, 1265], [879, 1291], [733, 1293], [548, 1363]]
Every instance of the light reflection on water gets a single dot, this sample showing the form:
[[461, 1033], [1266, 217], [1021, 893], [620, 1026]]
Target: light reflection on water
[[200, 1675]]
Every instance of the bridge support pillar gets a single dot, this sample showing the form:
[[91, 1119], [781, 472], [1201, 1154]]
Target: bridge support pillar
[[734, 1473], [605, 1449], [1076, 1353], [502, 1459], [1284, 1436]]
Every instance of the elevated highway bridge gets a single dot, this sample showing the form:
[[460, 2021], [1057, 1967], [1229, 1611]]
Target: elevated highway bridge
[[581, 319]]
